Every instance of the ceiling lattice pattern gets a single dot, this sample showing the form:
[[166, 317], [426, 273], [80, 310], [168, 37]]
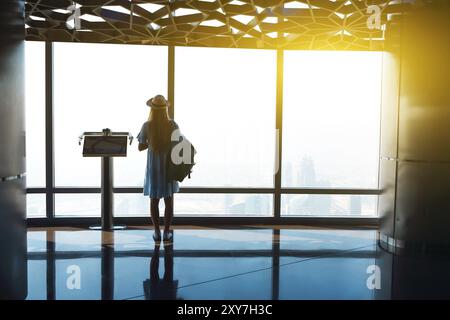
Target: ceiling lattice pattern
[[265, 24]]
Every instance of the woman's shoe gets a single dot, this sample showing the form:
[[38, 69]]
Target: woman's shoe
[[157, 236], [168, 236]]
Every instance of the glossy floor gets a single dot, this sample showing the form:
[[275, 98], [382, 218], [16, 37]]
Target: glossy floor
[[206, 263]]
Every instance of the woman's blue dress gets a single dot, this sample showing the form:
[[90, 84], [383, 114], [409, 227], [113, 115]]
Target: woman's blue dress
[[155, 181]]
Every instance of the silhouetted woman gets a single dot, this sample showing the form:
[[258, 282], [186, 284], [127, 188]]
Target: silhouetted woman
[[155, 137]]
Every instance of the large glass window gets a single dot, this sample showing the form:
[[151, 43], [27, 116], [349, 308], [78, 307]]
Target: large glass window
[[225, 105], [223, 204], [331, 119], [133, 204], [35, 112], [188, 204], [78, 205], [100, 86], [36, 205], [328, 205]]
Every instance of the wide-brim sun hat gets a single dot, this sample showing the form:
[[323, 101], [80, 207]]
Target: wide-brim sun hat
[[158, 102]]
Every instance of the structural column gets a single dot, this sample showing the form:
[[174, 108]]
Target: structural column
[[415, 148], [13, 266]]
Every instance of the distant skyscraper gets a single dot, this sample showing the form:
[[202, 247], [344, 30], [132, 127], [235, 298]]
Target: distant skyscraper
[[355, 205], [252, 204], [307, 172], [237, 208], [228, 202], [257, 204], [288, 175]]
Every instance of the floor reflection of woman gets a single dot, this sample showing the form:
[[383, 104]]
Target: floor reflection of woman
[[156, 288]]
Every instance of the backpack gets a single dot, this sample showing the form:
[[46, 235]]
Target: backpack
[[179, 165]]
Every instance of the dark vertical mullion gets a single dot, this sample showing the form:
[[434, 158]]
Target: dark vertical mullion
[[49, 155], [279, 130], [171, 80], [51, 265], [171, 88], [276, 263]]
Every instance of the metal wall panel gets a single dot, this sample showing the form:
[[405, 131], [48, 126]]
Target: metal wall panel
[[13, 262], [423, 203], [423, 185], [424, 131], [13, 241], [386, 200], [390, 90], [12, 130], [405, 277], [414, 278]]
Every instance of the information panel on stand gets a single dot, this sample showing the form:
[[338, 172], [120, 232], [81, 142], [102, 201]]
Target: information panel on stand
[[105, 146]]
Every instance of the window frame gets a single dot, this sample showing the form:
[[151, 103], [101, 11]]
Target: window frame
[[277, 190]]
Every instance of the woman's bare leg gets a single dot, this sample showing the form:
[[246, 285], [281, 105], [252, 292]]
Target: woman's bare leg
[[154, 213], [168, 213]]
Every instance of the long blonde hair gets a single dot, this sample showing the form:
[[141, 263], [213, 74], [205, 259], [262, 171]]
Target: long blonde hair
[[159, 129]]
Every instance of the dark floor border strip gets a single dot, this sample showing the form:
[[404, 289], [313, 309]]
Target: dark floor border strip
[[218, 190], [57, 190], [366, 254], [359, 222]]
